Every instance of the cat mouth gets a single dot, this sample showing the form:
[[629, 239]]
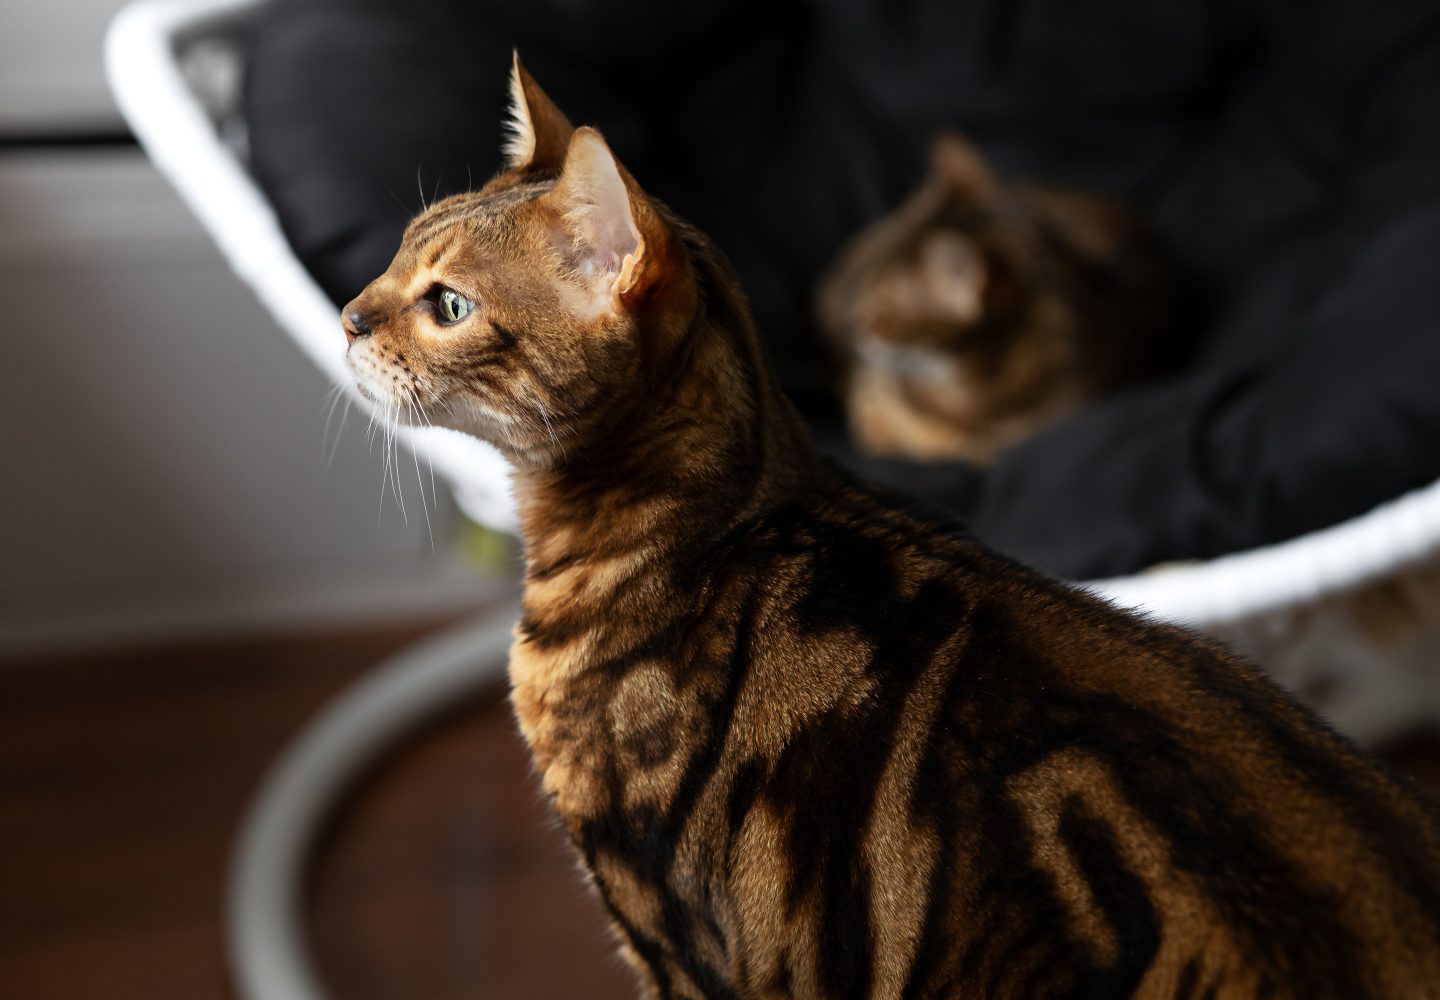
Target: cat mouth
[[365, 379], [369, 394]]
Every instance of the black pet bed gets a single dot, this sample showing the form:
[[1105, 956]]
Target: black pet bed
[[1288, 154]]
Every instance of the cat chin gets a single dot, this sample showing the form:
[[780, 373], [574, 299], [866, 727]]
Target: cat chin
[[905, 360], [390, 407], [386, 404], [468, 416], [366, 394], [520, 441], [369, 381], [471, 416]]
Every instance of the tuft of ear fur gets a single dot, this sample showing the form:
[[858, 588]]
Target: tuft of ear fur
[[537, 132], [594, 197], [959, 167]]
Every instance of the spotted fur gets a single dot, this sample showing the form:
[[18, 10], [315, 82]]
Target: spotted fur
[[810, 743], [980, 311]]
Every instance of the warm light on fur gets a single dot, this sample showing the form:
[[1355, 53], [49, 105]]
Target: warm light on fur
[[811, 744], [519, 146]]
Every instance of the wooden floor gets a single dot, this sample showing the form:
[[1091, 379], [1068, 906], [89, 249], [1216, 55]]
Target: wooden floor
[[122, 779]]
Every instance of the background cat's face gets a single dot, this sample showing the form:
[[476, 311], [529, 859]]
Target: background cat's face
[[933, 294], [979, 310], [512, 313], [938, 274]]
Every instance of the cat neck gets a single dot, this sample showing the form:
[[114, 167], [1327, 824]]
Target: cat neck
[[709, 444]]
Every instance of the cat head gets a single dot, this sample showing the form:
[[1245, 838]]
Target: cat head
[[937, 271], [529, 313]]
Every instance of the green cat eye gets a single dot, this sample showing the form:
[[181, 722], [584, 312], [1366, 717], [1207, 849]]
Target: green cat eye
[[453, 306]]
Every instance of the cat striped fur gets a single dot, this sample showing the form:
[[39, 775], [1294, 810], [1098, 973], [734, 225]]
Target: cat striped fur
[[810, 742]]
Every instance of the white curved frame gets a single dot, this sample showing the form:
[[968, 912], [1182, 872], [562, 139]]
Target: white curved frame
[[142, 62], [265, 938], [1395, 536], [175, 131], [265, 927]]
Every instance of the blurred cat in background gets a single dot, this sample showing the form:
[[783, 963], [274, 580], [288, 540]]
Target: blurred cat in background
[[982, 310]]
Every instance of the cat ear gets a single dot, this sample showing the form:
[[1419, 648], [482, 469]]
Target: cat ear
[[960, 168], [601, 210], [538, 131]]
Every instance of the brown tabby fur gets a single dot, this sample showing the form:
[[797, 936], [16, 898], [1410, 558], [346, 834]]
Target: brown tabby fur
[[979, 311], [811, 744]]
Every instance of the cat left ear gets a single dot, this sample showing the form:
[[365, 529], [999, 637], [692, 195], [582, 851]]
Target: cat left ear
[[603, 212], [539, 132], [960, 167]]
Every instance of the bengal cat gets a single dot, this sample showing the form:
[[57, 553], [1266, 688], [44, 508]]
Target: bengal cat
[[982, 310], [810, 743]]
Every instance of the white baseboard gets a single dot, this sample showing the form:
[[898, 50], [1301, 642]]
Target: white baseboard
[[296, 606]]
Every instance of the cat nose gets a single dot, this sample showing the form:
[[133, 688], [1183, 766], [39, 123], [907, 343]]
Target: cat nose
[[356, 325]]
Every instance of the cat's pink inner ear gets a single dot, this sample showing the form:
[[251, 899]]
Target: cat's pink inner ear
[[600, 221], [538, 133]]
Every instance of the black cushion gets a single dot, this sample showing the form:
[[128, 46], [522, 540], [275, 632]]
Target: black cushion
[[1288, 153]]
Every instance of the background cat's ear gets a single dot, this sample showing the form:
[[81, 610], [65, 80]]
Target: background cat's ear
[[538, 131], [960, 168], [606, 217]]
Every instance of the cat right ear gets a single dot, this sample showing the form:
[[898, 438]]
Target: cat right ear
[[960, 168], [601, 219], [538, 131]]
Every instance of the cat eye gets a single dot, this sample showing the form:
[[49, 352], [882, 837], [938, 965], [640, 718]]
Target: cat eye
[[453, 306]]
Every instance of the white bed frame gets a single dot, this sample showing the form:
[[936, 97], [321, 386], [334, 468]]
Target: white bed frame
[[1286, 603]]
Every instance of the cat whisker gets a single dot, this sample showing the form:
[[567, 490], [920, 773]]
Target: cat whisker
[[385, 425], [344, 416], [392, 457], [540, 406], [429, 456], [375, 428], [327, 450], [415, 455]]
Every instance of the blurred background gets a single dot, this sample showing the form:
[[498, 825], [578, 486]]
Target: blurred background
[[168, 461], [198, 550], [189, 567]]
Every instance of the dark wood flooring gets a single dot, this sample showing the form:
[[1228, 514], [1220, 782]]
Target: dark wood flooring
[[122, 780]]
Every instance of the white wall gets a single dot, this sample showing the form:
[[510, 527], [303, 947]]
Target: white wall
[[161, 441], [50, 72]]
